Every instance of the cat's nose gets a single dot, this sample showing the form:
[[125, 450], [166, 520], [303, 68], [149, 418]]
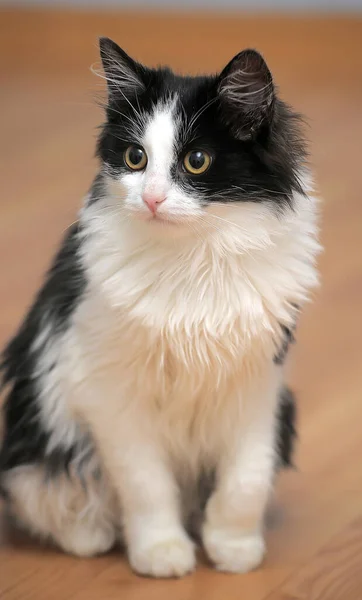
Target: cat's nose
[[153, 200]]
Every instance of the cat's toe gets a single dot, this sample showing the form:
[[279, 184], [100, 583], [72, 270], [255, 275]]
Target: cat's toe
[[235, 554], [172, 557]]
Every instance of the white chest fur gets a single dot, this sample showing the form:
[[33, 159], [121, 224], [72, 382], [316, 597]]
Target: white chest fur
[[182, 327], [218, 287]]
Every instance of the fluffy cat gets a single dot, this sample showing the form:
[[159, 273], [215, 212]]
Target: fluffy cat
[[145, 386]]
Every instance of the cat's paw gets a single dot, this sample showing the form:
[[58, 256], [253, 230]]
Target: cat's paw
[[171, 557], [233, 553]]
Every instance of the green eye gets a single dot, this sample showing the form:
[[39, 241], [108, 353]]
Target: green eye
[[197, 162], [135, 158]]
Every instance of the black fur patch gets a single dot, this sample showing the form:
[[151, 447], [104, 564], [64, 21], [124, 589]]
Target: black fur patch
[[25, 439], [97, 191], [287, 433], [288, 338]]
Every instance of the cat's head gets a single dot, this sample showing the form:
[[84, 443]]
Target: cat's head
[[177, 150]]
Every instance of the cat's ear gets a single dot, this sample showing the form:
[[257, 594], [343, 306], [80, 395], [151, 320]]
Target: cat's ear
[[124, 76], [246, 93]]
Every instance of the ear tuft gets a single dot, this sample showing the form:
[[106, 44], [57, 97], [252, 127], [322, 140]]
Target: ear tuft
[[246, 92], [122, 73]]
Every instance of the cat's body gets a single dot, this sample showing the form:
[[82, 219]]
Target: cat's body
[[148, 377]]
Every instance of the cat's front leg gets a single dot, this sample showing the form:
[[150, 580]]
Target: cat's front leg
[[233, 529], [129, 444], [157, 542]]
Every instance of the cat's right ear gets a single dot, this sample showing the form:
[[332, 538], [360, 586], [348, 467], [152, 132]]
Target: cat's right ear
[[124, 76]]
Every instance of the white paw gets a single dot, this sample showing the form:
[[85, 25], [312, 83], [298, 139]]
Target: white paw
[[85, 541], [172, 557], [234, 553]]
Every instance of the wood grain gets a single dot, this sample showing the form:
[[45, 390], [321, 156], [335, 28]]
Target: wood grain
[[334, 573], [48, 128]]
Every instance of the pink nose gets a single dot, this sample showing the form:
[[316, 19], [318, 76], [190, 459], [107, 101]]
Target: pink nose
[[153, 201]]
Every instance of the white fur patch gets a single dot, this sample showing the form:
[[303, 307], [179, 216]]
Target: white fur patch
[[52, 377], [158, 140], [81, 519]]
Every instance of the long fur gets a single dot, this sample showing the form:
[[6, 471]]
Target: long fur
[[147, 379]]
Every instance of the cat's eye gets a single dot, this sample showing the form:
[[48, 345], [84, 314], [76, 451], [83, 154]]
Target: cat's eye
[[135, 158], [197, 162]]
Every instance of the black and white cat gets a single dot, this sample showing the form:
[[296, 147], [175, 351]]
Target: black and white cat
[[145, 385]]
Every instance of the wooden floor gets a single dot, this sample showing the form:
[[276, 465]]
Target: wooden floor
[[48, 128]]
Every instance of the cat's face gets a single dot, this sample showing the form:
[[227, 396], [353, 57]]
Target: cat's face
[[178, 149]]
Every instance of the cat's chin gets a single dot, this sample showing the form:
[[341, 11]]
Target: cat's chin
[[165, 225], [164, 220]]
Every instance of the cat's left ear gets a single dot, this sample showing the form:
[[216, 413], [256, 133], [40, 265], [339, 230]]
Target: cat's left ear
[[124, 75], [246, 93]]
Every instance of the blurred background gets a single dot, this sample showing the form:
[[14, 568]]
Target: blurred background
[[48, 127], [220, 5]]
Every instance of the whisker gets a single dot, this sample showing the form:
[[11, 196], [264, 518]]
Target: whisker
[[198, 114], [257, 191], [71, 225]]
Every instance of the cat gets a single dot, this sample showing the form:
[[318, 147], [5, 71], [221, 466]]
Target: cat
[[145, 388]]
